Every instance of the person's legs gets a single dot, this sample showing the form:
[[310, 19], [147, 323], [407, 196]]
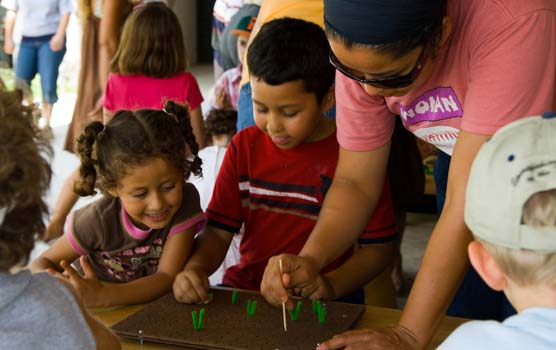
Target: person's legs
[[48, 64], [474, 299], [26, 68]]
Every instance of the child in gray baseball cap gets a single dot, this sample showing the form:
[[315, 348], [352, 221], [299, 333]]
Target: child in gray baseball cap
[[511, 210]]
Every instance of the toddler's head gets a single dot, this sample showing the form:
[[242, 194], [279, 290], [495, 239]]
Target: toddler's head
[[221, 126], [511, 200], [151, 43], [24, 178], [141, 158], [243, 31]]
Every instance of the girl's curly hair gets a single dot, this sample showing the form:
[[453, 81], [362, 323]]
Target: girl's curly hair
[[129, 140], [24, 178]]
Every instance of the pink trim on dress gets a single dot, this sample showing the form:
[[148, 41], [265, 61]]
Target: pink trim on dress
[[133, 230], [198, 221], [71, 238]]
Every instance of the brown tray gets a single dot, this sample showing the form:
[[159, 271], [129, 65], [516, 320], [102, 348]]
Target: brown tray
[[227, 326]]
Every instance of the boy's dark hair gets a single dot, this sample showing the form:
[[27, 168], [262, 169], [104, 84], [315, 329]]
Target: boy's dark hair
[[151, 43], [289, 49], [221, 122], [24, 178], [130, 139], [429, 37]]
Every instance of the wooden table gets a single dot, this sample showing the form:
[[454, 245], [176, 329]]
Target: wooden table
[[373, 317]]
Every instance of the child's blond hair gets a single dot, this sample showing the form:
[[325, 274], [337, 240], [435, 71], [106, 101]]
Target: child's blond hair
[[527, 267]]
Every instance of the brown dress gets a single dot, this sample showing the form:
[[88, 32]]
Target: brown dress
[[89, 88]]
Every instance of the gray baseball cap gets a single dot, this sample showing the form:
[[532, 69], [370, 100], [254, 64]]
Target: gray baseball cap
[[518, 161]]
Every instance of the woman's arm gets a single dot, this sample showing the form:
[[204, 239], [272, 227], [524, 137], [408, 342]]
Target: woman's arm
[[57, 41], [9, 22], [113, 15], [349, 203], [445, 261]]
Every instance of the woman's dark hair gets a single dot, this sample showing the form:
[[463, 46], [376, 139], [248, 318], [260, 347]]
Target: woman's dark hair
[[130, 139], [289, 49], [221, 122], [151, 43], [24, 178], [429, 36]]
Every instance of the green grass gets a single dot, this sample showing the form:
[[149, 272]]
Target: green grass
[[64, 85]]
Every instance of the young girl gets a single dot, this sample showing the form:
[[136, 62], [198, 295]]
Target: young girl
[[28, 302], [149, 66], [141, 232], [148, 69]]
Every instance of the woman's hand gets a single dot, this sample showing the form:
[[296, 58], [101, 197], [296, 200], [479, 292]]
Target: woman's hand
[[57, 42], [297, 273], [389, 338]]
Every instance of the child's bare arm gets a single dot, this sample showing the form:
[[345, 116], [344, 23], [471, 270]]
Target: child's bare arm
[[198, 126], [50, 259], [175, 252], [106, 116], [191, 285], [365, 264]]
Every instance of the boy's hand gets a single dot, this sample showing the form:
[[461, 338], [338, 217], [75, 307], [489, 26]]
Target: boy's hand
[[88, 286], [57, 42], [222, 100], [191, 287]]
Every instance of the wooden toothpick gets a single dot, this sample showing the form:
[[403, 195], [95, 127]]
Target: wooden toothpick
[[283, 303]]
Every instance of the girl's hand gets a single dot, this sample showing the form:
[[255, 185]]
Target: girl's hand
[[57, 42], [191, 286], [88, 286], [223, 100]]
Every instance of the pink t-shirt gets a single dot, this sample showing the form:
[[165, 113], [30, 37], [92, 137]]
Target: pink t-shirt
[[499, 66], [132, 92]]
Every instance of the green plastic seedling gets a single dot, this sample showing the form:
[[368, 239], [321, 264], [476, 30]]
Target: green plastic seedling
[[251, 307], [294, 315], [198, 322], [235, 296]]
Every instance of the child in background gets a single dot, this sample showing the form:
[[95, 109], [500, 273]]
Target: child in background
[[510, 207], [42, 47], [148, 70], [226, 89], [29, 302], [221, 127], [275, 175], [141, 232]]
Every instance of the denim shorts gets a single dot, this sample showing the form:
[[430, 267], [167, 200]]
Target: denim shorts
[[36, 56]]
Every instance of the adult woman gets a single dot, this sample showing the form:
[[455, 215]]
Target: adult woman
[[455, 71]]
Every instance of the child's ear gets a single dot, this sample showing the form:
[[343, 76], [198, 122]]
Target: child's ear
[[328, 101], [486, 267]]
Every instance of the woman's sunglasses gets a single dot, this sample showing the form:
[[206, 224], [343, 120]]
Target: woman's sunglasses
[[394, 82]]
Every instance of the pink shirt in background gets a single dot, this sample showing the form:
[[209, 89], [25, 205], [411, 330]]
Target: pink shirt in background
[[132, 92], [499, 66]]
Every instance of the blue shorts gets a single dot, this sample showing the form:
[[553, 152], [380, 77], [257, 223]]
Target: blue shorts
[[36, 56]]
